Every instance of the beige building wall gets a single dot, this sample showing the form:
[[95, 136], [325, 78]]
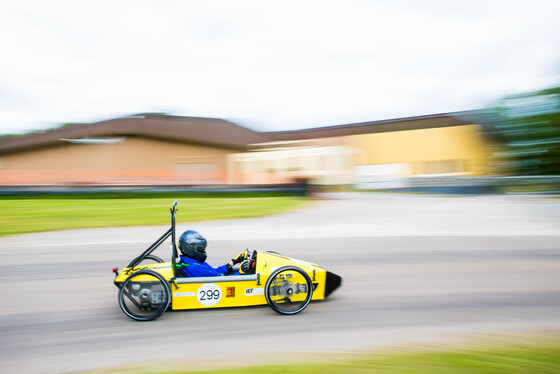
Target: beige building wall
[[454, 150], [445, 150], [330, 164], [132, 158], [128, 154], [431, 151]]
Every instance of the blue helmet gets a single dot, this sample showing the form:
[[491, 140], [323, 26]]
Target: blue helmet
[[193, 245]]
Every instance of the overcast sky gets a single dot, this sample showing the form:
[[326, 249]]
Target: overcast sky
[[268, 65]]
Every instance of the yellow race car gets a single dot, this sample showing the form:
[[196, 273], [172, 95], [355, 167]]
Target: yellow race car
[[148, 286]]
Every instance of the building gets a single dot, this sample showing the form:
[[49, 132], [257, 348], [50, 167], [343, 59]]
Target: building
[[161, 149], [377, 154], [140, 149]]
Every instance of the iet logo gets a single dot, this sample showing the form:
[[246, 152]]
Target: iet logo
[[254, 291]]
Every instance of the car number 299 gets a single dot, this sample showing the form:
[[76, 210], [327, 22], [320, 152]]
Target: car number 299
[[209, 294]]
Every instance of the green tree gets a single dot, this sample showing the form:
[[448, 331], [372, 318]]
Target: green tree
[[527, 131]]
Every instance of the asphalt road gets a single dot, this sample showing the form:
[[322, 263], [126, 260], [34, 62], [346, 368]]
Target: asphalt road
[[414, 268]]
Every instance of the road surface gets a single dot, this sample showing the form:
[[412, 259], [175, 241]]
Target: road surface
[[414, 268]]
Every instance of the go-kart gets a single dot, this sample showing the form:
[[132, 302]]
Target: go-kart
[[148, 286]]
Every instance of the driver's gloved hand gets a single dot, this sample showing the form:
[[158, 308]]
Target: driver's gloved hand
[[241, 257], [245, 267]]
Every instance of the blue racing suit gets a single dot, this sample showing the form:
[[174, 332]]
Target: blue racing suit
[[189, 267]]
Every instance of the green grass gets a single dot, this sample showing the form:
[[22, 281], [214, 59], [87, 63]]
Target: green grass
[[536, 356], [35, 214]]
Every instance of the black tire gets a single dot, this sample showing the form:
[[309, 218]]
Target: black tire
[[153, 258], [286, 296], [144, 295]]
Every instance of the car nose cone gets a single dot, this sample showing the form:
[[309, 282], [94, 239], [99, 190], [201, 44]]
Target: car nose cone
[[332, 283]]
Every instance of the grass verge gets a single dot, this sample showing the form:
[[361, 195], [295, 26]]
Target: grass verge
[[35, 214], [533, 356]]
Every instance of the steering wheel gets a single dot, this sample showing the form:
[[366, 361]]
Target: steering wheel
[[252, 258]]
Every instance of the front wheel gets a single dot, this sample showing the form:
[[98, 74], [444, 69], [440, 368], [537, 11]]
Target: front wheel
[[288, 290], [144, 296]]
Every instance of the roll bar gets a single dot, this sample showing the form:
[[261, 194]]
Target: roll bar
[[173, 241], [157, 243]]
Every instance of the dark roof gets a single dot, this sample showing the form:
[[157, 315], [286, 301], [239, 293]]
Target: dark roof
[[192, 130], [398, 124], [220, 133]]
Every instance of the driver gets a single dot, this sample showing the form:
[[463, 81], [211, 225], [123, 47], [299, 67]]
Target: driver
[[193, 257]]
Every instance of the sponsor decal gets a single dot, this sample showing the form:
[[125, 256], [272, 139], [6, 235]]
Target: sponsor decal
[[254, 291], [183, 294], [209, 294], [230, 292]]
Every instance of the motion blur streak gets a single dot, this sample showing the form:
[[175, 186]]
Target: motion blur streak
[[416, 269]]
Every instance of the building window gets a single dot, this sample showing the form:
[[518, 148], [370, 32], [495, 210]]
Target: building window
[[443, 167], [203, 166]]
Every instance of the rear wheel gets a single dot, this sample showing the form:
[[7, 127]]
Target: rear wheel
[[144, 296], [288, 290]]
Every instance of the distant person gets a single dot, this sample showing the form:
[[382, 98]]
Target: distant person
[[193, 258]]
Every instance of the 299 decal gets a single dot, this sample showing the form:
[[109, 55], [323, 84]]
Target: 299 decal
[[209, 294]]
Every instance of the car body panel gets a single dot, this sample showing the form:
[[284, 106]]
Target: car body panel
[[230, 290]]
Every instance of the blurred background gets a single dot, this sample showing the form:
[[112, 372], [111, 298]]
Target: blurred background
[[382, 95], [413, 149], [512, 147]]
